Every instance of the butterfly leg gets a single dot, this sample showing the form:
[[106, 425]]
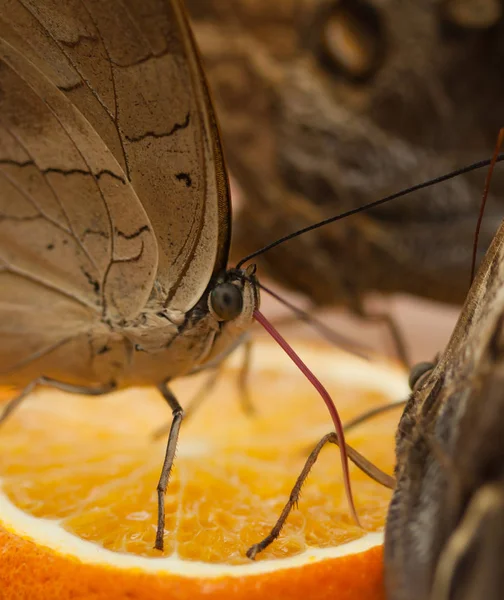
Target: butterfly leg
[[243, 382], [244, 379], [194, 404], [394, 331], [47, 382], [418, 374], [245, 341], [331, 335], [358, 459], [171, 447], [209, 385], [372, 412]]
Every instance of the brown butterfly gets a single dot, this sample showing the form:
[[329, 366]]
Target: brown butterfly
[[324, 102], [445, 529], [114, 204]]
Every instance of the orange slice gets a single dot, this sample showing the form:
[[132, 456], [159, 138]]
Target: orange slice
[[78, 478]]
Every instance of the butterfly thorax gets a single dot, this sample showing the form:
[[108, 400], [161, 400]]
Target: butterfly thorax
[[163, 344], [157, 345]]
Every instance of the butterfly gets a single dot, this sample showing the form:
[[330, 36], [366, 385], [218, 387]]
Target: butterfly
[[444, 531], [324, 102], [114, 204]]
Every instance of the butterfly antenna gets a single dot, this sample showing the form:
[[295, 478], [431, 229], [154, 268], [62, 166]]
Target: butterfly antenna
[[329, 334], [419, 186], [500, 140], [260, 318]]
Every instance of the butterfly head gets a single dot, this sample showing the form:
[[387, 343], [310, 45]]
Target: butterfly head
[[235, 296]]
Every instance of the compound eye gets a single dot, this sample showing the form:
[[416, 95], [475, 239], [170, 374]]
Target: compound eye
[[226, 301], [417, 373]]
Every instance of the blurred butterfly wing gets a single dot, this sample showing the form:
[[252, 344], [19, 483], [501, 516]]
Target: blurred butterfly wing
[[64, 200], [133, 71]]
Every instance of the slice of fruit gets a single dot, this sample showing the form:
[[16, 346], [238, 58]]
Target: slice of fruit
[[78, 478]]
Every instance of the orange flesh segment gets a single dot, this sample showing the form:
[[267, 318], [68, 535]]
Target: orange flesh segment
[[91, 464]]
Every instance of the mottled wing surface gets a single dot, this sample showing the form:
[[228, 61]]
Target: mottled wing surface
[[113, 195], [306, 140], [449, 440]]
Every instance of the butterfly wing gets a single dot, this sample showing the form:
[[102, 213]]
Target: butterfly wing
[[449, 438], [63, 200], [470, 566], [112, 181], [133, 71]]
